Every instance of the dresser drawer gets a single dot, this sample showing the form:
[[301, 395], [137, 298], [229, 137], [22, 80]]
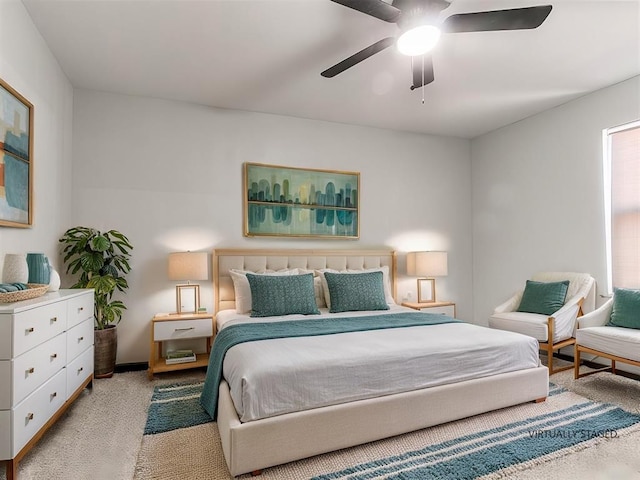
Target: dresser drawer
[[32, 369], [5, 435], [36, 326], [34, 411], [178, 329], [79, 309], [79, 338], [79, 370]]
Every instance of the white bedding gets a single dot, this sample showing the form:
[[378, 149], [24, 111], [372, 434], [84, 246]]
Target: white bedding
[[274, 377]]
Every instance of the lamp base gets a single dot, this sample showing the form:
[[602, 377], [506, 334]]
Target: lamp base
[[187, 298], [426, 290]]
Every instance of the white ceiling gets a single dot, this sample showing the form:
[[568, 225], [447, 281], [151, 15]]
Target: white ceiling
[[267, 55]]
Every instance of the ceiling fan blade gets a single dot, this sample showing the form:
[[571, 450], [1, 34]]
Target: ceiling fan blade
[[375, 8], [422, 71], [358, 57], [513, 19]]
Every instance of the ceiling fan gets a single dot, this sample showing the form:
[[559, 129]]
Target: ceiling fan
[[421, 28]]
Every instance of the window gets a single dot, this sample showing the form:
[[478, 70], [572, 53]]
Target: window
[[622, 204]]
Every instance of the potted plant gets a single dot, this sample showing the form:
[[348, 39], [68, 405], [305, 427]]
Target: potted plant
[[102, 260]]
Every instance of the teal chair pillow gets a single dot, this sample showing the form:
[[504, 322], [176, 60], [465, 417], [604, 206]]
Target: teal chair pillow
[[626, 308], [273, 295], [350, 292], [544, 298]]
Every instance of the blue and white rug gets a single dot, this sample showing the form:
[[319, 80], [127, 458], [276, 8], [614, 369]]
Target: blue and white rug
[[181, 442]]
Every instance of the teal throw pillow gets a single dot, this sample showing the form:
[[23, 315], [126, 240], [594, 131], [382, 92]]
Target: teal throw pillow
[[356, 291], [273, 295], [544, 298], [626, 308]]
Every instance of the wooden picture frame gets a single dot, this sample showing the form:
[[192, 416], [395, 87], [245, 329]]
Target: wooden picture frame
[[300, 202], [16, 158], [426, 290], [187, 298]]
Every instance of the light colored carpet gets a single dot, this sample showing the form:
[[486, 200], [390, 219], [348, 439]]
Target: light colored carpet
[[101, 434], [497, 444]]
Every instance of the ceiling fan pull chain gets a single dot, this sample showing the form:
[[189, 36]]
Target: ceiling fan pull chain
[[423, 79]]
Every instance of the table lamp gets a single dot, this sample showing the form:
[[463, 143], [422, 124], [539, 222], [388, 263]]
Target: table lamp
[[185, 267], [427, 264]]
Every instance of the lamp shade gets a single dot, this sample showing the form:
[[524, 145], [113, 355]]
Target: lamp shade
[[427, 264], [188, 266]]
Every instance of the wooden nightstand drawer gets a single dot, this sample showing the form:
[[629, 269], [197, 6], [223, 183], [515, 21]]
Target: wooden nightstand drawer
[[179, 329], [447, 310], [438, 308], [166, 327]]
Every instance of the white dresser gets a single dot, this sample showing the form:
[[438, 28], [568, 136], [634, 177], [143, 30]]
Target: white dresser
[[46, 360]]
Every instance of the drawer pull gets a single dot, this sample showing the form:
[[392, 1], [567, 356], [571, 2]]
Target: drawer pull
[[80, 309], [80, 339], [54, 355], [54, 395], [80, 369], [29, 416], [30, 370], [29, 330], [54, 320], [184, 329]]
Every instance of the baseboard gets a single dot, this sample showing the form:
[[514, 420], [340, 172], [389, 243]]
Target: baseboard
[[131, 367]]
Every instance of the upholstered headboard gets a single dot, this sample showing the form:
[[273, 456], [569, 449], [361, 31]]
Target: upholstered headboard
[[258, 260]]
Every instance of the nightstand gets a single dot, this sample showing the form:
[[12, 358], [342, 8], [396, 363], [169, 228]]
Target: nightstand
[[178, 327], [443, 308]]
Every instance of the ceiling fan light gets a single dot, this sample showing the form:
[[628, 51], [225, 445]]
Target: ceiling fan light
[[418, 40]]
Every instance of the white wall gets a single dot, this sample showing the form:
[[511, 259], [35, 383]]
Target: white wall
[[29, 67], [538, 195], [169, 176]]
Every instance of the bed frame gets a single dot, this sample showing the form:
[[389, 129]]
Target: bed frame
[[252, 446]]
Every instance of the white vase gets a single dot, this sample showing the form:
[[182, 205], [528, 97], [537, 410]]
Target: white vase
[[15, 268], [54, 283]]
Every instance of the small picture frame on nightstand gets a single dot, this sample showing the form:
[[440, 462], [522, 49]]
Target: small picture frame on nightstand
[[426, 290]]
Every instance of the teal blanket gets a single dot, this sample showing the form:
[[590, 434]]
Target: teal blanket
[[249, 332]]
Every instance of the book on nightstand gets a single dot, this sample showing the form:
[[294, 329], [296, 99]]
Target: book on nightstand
[[180, 356]]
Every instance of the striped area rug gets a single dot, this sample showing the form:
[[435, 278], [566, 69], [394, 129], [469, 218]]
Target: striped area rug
[[498, 449], [181, 442], [175, 406]]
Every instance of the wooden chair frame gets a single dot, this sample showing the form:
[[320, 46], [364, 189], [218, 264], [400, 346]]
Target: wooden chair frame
[[614, 358], [550, 347]]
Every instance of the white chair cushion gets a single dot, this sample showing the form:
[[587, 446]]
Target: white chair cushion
[[533, 325], [622, 342], [530, 324]]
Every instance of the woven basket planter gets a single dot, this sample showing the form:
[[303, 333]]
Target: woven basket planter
[[106, 347]]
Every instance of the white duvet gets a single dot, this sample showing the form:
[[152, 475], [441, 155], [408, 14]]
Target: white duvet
[[274, 377]]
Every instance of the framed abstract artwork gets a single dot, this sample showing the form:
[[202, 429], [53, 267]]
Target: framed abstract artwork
[[16, 158], [300, 202]]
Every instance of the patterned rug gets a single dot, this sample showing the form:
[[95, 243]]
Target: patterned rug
[[181, 442]]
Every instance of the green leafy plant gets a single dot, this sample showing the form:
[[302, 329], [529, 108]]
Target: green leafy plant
[[102, 260]]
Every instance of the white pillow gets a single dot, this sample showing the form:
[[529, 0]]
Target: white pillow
[[318, 290], [388, 296], [243, 290], [317, 286]]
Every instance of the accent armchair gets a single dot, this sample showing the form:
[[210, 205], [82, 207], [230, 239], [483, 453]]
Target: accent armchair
[[553, 330], [596, 336]]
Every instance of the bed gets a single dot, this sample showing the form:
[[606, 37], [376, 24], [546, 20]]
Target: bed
[[358, 385]]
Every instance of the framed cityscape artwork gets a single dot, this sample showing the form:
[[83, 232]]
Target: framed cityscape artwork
[[300, 202]]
